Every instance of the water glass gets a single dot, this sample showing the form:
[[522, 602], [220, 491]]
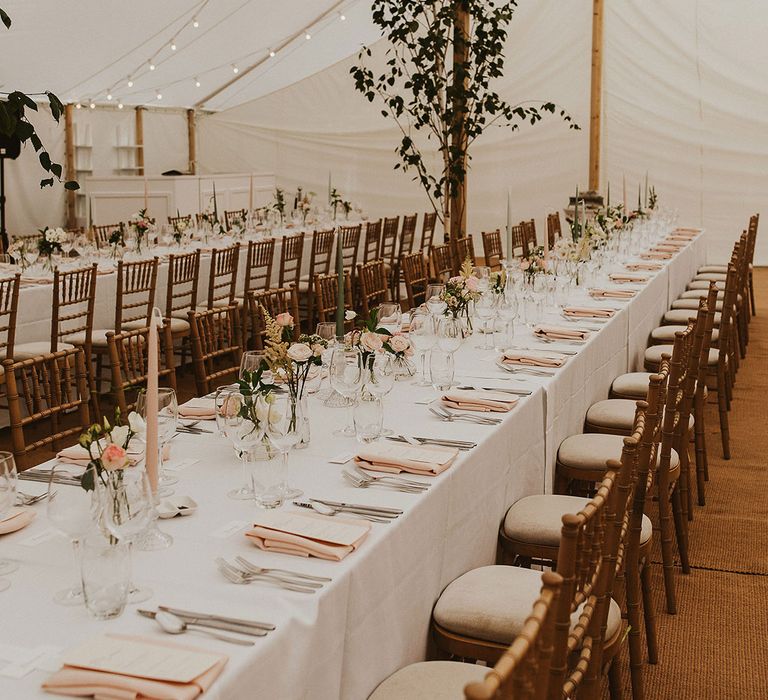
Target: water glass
[[346, 375], [368, 418], [266, 483], [283, 429], [450, 334], [390, 317], [106, 575], [423, 338], [251, 361], [435, 303], [8, 481], [503, 333], [167, 422], [483, 275], [441, 369]]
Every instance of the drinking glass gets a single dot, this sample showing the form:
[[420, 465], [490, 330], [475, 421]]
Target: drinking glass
[[251, 361], [8, 481], [326, 330], [450, 334], [346, 374], [485, 310], [380, 378], [283, 421], [441, 369], [390, 317], [106, 574], [423, 338], [435, 302], [72, 511], [483, 274], [368, 417], [167, 422]]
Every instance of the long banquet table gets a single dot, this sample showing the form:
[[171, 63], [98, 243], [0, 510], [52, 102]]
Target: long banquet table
[[373, 618]]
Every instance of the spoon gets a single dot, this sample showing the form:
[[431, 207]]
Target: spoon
[[324, 509], [175, 625]]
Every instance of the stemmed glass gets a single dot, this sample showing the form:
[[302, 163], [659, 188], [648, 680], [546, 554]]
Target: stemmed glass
[[346, 374], [422, 337], [8, 481], [485, 309], [390, 317], [167, 422], [71, 510], [483, 275], [504, 325], [283, 419], [250, 361], [449, 334], [380, 378], [435, 303]]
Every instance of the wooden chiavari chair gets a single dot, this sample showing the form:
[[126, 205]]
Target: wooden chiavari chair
[[529, 229], [464, 249], [101, 234], [326, 295], [428, 232], [519, 242], [522, 672], [349, 239], [405, 247], [275, 301], [216, 348], [176, 220], [129, 362], [9, 305], [374, 291], [136, 286], [441, 262], [492, 249], [320, 257], [372, 241], [388, 247], [181, 295], [291, 255], [222, 279], [258, 277], [554, 230], [47, 394], [416, 279], [234, 216]]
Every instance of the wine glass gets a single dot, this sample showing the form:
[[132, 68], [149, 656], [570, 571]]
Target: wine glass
[[167, 422], [71, 510], [8, 481], [483, 275], [326, 330], [283, 420], [485, 310], [435, 303], [390, 317], [380, 378], [346, 374], [251, 361], [449, 334], [422, 337]]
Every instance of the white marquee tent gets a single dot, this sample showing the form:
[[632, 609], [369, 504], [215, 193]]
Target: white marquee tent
[[685, 100]]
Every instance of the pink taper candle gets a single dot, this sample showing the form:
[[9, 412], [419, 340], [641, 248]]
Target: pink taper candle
[[152, 454]]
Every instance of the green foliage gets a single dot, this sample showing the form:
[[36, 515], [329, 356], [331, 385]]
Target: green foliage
[[14, 124], [425, 93]]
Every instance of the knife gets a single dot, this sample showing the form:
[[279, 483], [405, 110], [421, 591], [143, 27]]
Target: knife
[[189, 615], [373, 509], [434, 441], [211, 624]]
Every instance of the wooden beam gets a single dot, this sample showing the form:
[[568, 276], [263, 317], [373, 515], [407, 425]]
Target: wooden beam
[[192, 142], [140, 140], [458, 199], [69, 154], [596, 96], [264, 59]]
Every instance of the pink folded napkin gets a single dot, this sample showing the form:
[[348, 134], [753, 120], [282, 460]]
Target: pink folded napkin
[[675, 243], [16, 519], [204, 409], [102, 685], [33, 281], [652, 267], [529, 359], [484, 401], [654, 254], [676, 238], [587, 312], [560, 333], [308, 534], [612, 293], [415, 459], [621, 278], [78, 456], [665, 248], [689, 231]]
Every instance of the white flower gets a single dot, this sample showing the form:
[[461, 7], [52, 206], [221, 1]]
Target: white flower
[[399, 343], [350, 315], [262, 409], [372, 342], [119, 435], [136, 422], [299, 352]]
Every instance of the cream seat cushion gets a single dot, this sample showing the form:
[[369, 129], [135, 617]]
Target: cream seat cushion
[[436, 680], [700, 294], [493, 602], [653, 354], [681, 316], [592, 450], [704, 284], [539, 519], [98, 338], [26, 351], [632, 385], [693, 304], [614, 414], [178, 324], [713, 268], [666, 334], [710, 277], [135, 325]]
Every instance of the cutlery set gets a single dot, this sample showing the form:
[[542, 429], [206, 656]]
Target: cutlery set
[[363, 480], [177, 621], [373, 513], [450, 416], [534, 371], [242, 572], [46, 477], [440, 442]]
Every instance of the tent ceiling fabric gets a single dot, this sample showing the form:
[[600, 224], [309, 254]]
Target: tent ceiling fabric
[[86, 49]]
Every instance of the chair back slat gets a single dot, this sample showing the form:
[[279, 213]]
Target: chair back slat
[[174, 221], [9, 305], [183, 275], [372, 242], [101, 234], [529, 230], [291, 255], [374, 291], [407, 236], [428, 231], [349, 239], [235, 217], [519, 242], [554, 231], [441, 262], [275, 301], [222, 280], [389, 240], [492, 249], [258, 267], [216, 350], [136, 285], [464, 248], [415, 277], [326, 295], [74, 297]]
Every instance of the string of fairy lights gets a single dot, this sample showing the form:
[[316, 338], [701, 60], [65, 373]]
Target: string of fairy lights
[[182, 33]]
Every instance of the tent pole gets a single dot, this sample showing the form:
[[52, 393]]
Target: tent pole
[[192, 143], [69, 149], [140, 140], [458, 215], [277, 49], [596, 96]]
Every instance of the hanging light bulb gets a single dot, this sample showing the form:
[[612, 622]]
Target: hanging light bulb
[[79, 105], [197, 82], [159, 95], [271, 54], [152, 66], [342, 16], [235, 69], [130, 83], [307, 36], [195, 23], [119, 105], [109, 96], [92, 105], [173, 44]]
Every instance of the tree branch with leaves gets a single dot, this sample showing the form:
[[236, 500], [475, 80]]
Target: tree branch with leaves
[[437, 87]]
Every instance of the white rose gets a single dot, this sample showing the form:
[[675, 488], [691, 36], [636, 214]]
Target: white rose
[[350, 315], [399, 343], [136, 422], [371, 341], [299, 352], [119, 435], [262, 409]]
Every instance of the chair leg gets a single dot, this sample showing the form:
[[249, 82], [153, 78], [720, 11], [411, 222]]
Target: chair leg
[[667, 556], [614, 680], [700, 441], [725, 436], [683, 483], [681, 529], [649, 614], [752, 294], [632, 583]]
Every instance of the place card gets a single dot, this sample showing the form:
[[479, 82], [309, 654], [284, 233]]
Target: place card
[[140, 659], [314, 527], [229, 529], [343, 458], [176, 465], [43, 536]]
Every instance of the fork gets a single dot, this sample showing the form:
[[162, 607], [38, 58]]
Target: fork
[[236, 575], [525, 370], [361, 483], [450, 417], [25, 499], [402, 481], [296, 574]]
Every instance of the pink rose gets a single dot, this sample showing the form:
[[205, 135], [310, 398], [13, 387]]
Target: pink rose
[[372, 342], [524, 264], [399, 343], [113, 457], [284, 319], [299, 352], [472, 284]]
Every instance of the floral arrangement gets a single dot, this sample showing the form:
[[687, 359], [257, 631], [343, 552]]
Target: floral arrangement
[[337, 201], [107, 446], [292, 361], [179, 229], [534, 263], [371, 338], [141, 224], [51, 241], [304, 204], [460, 291], [498, 281], [279, 204], [653, 199]]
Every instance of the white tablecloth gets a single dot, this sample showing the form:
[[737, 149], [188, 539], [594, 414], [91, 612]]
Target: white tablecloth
[[374, 617]]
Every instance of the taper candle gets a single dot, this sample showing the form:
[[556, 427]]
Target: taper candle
[[152, 446], [509, 225], [340, 288]]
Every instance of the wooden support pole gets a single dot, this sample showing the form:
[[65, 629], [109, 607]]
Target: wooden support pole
[[458, 215], [69, 155], [192, 142], [140, 140], [596, 96]]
